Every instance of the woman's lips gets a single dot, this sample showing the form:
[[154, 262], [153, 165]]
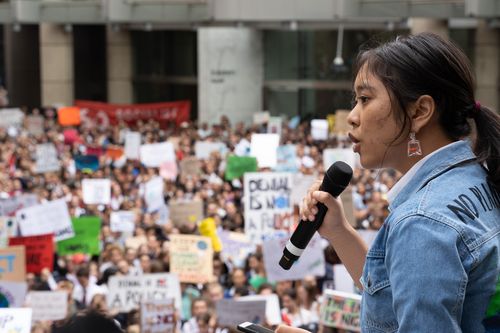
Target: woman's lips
[[356, 142]]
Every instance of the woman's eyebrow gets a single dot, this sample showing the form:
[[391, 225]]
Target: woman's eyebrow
[[364, 86]]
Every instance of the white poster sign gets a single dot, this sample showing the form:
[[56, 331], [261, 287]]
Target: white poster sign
[[264, 147], [346, 155], [46, 158], [35, 125], [342, 279], [132, 145], [50, 217], [153, 194], [261, 117], [11, 117], [48, 305], [267, 203], [155, 154], [13, 294], [122, 221], [274, 125], [203, 149], [8, 207], [8, 228], [127, 292], [301, 185], [311, 262], [273, 312], [231, 312], [319, 129], [158, 316], [96, 191], [15, 320]]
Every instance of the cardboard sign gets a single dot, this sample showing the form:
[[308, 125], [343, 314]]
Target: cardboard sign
[[261, 117], [331, 122], [11, 117], [319, 129], [46, 158], [237, 166], [235, 247], [347, 155], [9, 207], [311, 262], [168, 171], [86, 240], [122, 221], [12, 294], [191, 258], [267, 204], [50, 217], [13, 264], [8, 228], [274, 125], [203, 149], [39, 252], [153, 194], [87, 163], [132, 145], [127, 292], [301, 185], [186, 212], [158, 316], [287, 159], [190, 167], [15, 320], [341, 124], [35, 125], [264, 148], [48, 305], [96, 191], [69, 116], [231, 312], [155, 154], [341, 310], [273, 312]]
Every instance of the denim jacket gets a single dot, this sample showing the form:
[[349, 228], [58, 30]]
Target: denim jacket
[[435, 262]]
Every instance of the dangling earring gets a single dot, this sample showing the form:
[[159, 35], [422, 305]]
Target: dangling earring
[[414, 146]]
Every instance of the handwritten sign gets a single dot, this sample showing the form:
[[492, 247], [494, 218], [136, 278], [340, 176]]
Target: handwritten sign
[[96, 191], [39, 251], [12, 294], [203, 149], [158, 316], [341, 310], [168, 170], [273, 312], [347, 155], [127, 292], [319, 129], [15, 320], [155, 154], [11, 117], [154, 194], [190, 167], [287, 159], [132, 145], [9, 207], [46, 158], [8, 228], [191, 258], [186, 212], [50, 217], [274, 125], [48, 305], [231, 312], [235, 247], [122, 221], [264, 148], [86, 240], [267, 204], [13, 264], [34, 125]]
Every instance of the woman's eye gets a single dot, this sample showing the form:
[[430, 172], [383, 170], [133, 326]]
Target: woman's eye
[[363, 99]]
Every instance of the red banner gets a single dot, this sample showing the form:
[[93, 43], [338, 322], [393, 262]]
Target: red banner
[[39, 252], [105, 114]]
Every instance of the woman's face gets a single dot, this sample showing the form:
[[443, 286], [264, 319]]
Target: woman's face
[[374, 127]]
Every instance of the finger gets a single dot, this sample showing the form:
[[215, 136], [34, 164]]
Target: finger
[[324, 197], [289, 329]]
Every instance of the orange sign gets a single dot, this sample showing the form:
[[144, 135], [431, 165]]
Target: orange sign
[[69, 116]]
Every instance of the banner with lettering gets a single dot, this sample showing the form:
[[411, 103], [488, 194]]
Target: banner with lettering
[[86, 240], [268, 205], [48, 305], [191, 258], [13, 264], [15, 320], [39, 251], [105, 114], [237, 166], [341, 310], [158, 316]]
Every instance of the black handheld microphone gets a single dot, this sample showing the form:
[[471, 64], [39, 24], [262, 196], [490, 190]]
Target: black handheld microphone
[[335, 181]]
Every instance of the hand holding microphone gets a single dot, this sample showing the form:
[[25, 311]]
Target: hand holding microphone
[[335, 181]]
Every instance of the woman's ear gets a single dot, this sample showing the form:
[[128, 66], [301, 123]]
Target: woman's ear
[[423, 110]]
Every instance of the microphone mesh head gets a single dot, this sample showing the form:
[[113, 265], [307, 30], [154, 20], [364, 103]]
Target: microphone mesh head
[[337, 177]]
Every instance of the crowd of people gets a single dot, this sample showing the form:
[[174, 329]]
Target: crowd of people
[[85, 277]]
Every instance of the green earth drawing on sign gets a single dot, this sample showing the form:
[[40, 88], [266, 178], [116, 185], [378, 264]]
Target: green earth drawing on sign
[[4, 302]]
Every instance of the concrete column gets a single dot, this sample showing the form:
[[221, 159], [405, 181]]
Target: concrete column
[[487, 65], [119, 66], [230, 74], [56, 62], [440, 27]]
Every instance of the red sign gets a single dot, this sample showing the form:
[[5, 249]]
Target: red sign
[[39, 251], [105, 114]]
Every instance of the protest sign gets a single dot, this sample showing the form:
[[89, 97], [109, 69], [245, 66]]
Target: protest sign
[[155, 154], [48, 305], [286, 159], [311, 262], [13, 264], [46, 158], [208, 229], [8, 228], [186, 212], [235, 247], [69, 116], [127, 292], [12, 294], [236, 166], [342, 279], [39, 251], [190, 166], [231, 312], [71, 136], [191, 258], [264, 148], [86, 240], [348, 204], [50, 217], [35, 125], [331, 122], [261, 117], [301, 185], [158, 316], [153, 194], [203, 149], [96, 191], [267, 203], [9, 207], [341, 124], [15, 320], [347, 155], [135, 242], [11, 117], [341, 310], [95, 150], [114, 152], [273, 312], [319, 129], [86, 163], [274, 125], [168, 170], [122, 221], [132, 145]]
